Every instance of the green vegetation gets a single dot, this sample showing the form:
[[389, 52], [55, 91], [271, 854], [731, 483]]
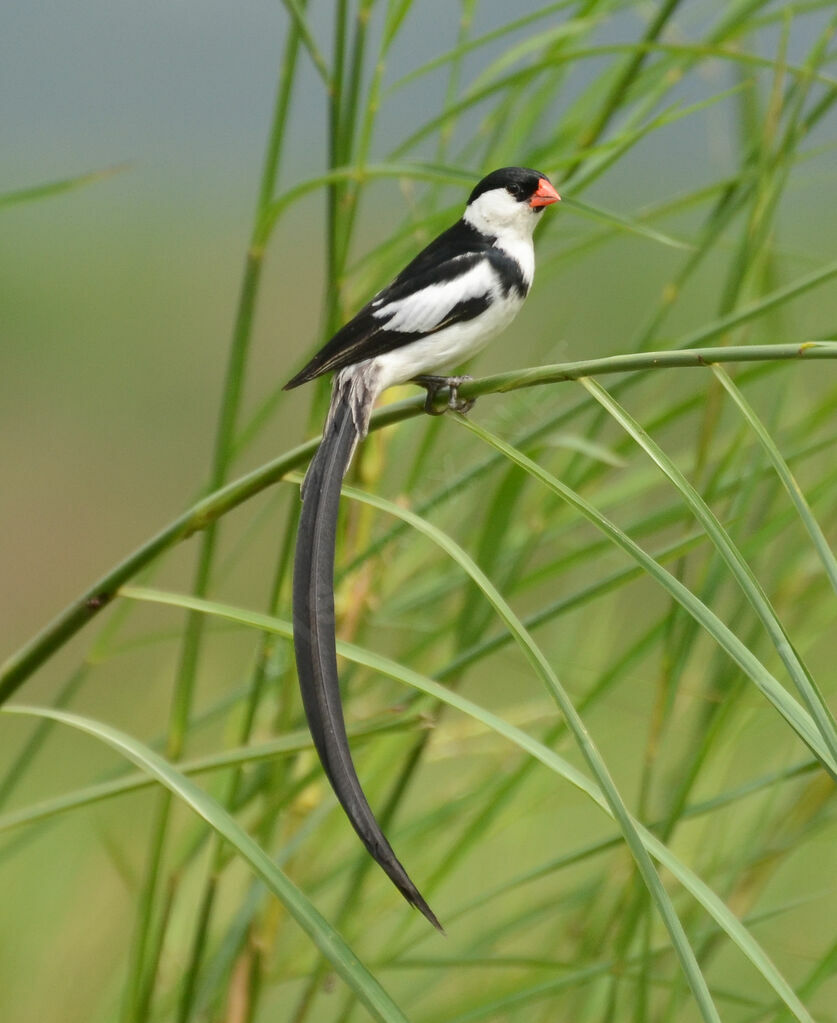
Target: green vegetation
[[588, 630]]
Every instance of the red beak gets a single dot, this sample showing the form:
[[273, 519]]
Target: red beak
[[544, 196]]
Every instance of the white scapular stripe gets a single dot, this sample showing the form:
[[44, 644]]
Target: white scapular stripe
[[424, 310]]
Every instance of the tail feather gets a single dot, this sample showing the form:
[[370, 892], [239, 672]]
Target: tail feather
[[314, 638]]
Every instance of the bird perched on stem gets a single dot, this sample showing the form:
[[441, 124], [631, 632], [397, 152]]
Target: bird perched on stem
[[444, 306]]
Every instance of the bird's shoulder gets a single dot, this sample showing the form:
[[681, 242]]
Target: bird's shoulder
[[455, 249], [456, 252]]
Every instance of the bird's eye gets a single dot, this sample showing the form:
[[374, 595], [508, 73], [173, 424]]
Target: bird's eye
[[515, 190]]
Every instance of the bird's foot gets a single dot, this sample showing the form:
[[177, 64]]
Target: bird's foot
[[434, 384]]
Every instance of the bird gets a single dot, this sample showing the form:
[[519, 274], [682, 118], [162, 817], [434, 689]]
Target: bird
[[460, 291]]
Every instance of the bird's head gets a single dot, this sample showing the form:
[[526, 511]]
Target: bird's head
[[511, 198]]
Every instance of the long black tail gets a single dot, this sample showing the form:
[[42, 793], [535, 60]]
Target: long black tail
[[314, 640]]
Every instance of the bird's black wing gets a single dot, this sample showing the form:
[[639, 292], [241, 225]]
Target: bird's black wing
[[406, 310], [460, 239]]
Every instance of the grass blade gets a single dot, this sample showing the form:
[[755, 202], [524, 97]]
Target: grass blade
[[793, 489], [795, 715], [384, 666], [327, 940], [734, 561], [54, 188]]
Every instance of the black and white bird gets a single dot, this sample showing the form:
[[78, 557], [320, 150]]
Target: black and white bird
[[443, 308]]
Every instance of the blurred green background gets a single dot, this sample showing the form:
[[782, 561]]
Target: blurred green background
[[117, 302]]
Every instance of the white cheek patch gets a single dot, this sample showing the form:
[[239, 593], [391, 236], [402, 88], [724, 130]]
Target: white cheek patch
[[424, 310], [497, 213], [495, 210]]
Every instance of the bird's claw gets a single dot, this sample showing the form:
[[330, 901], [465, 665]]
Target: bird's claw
[[434, 384]]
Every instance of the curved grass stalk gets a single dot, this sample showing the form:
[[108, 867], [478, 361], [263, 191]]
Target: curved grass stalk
[[629, 72], [689, 358], [715, 52], [741, 571], [826, 555], [300, 21], [544, 42], [603, 845], [53, 188], [726, 920], [239, 756], [600, 215], [524, 76], [798, 718], [327, 940], [526, 440], [416, 171], [464, 48]]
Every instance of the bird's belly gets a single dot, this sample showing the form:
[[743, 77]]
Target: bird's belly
[[446, 349]]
